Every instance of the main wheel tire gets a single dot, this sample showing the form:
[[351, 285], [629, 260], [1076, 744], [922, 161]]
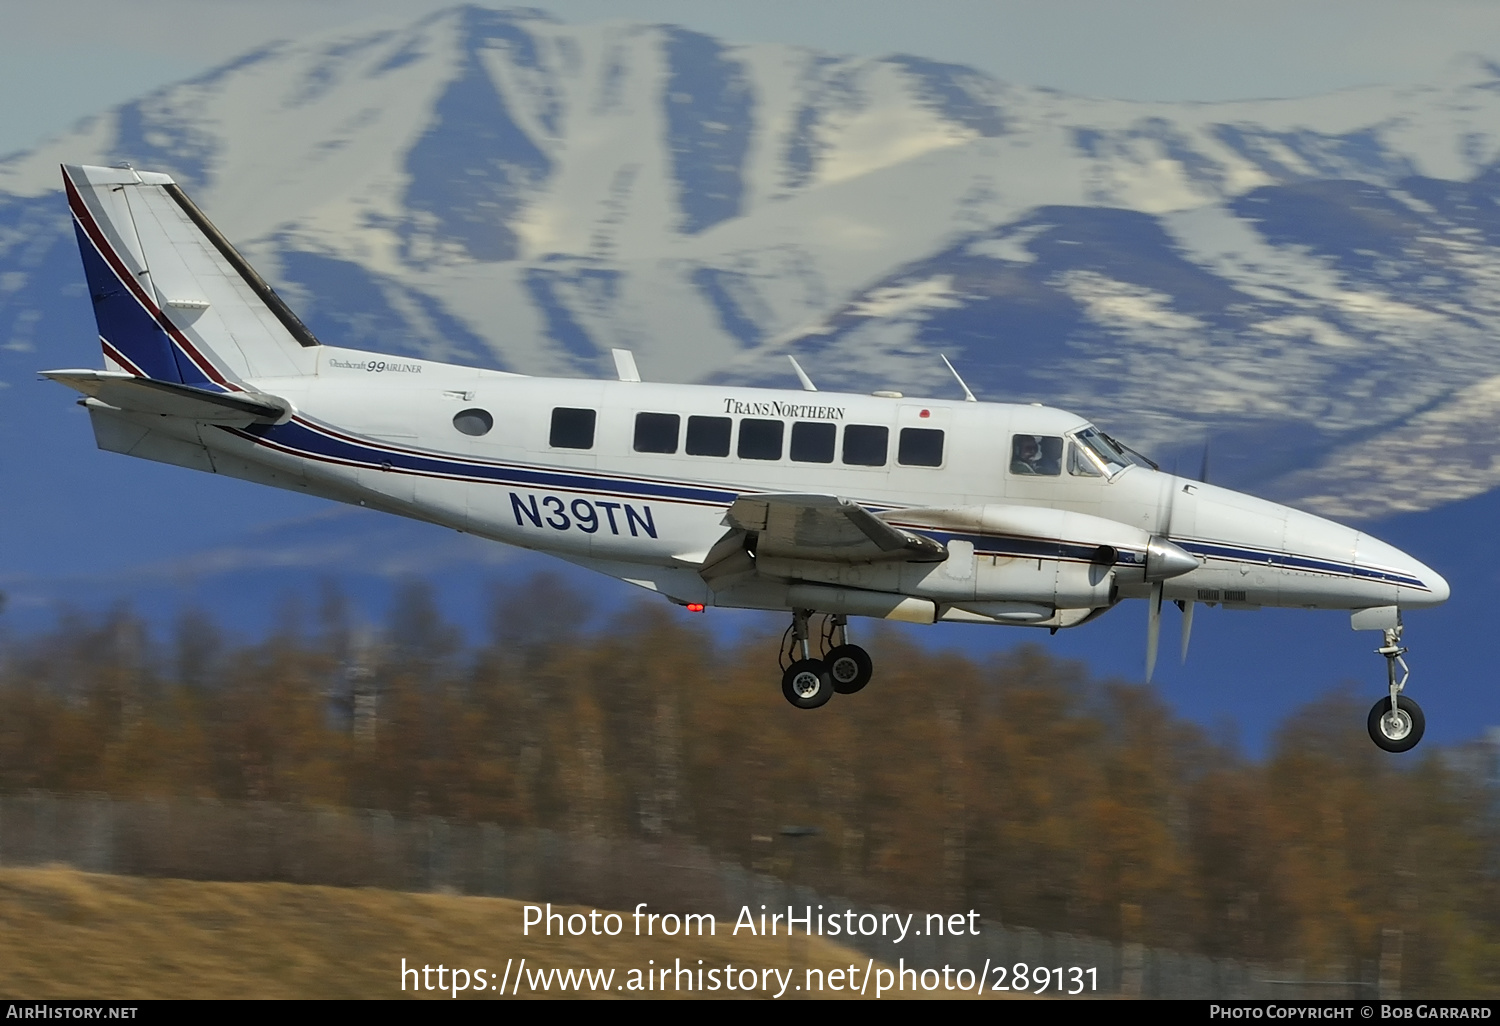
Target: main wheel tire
[[806, 684], [850, 668], [1398, 730]]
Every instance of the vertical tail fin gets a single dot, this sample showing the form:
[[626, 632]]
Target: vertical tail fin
[[173, 299]]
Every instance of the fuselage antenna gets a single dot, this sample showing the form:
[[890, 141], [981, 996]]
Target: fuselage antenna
[[968, 396], [807, 385], [625, 365]]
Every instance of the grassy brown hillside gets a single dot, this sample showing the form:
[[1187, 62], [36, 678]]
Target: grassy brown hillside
[[68, 934]]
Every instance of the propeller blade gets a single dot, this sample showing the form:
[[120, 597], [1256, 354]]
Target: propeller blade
[[1203, 470], [1153, 628], [1187, 626]]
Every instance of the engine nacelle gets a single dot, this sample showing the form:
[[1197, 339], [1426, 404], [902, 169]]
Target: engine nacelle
[[1031, 554], [1015, 564]]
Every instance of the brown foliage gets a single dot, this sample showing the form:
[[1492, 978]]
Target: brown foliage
[[1020, 788]]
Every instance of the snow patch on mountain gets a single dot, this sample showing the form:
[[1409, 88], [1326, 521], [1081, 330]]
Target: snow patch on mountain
[[1283, 277]]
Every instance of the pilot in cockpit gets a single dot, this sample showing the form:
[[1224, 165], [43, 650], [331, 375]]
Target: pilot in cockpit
[[1029, 456]]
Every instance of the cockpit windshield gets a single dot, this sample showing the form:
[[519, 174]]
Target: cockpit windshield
[[1110, 455]]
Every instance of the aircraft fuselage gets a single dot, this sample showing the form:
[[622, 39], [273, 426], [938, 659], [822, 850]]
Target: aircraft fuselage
[[384, 431]]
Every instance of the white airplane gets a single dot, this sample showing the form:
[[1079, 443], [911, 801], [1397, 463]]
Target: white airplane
[[802, 501]]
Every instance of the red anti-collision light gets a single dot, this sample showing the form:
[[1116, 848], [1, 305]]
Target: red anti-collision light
[[924, 413], [695, 607]]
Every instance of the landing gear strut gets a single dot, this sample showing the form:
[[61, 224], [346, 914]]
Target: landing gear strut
[[805, 683], [808, 681], [1396, 723]]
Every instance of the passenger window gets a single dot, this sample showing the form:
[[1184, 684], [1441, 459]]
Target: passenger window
[[761, 439], [656, 432], [572, 429], [812, 442], [920, 447], [1036, 455], [708, 436], [1079, 464], [865, 444]]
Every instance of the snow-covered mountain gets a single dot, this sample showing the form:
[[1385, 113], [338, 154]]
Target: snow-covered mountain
[[1310, 283]]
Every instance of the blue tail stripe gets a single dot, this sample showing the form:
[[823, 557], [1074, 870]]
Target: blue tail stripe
[[122, 321], [189, 374]]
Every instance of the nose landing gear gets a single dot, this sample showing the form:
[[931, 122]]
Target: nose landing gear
[[1396, 723], [809, 682]]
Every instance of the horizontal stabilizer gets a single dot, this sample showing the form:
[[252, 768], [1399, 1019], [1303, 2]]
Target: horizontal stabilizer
[[168, 399]]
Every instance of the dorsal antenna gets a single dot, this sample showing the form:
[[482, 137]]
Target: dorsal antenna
[[807, 385], [968, 396], [625, 365]]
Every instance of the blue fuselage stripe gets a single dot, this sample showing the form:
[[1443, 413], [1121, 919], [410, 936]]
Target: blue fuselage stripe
[[301, 440], [1291, 561], [308, 441]]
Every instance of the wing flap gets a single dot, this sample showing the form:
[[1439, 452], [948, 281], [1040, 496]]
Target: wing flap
[[827, 527], [135, 394]]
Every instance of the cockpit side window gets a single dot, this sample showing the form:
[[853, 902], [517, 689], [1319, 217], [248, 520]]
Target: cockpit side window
[[1036, 455], [1079, 463]]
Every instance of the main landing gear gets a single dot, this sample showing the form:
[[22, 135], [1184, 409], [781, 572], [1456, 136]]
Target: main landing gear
[[843, 668], [1396, 723]]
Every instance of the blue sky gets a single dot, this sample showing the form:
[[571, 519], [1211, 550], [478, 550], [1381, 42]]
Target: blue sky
[[65, 59], [69, 58]]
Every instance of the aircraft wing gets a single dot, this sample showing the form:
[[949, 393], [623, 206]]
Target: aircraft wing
[[826, 528], [135, 394]]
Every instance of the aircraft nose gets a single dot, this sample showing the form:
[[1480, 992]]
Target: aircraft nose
[[1419, 585], [1437, 588]]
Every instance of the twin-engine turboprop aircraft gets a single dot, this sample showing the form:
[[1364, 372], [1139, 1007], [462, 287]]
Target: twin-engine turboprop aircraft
[[803, 501]]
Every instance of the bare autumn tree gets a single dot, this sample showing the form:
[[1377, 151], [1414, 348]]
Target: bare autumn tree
[[1020, 787]]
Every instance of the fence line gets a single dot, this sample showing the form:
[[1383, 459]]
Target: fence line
[[202, 839]]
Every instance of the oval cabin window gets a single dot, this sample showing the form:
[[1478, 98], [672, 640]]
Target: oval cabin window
[[473, 422]]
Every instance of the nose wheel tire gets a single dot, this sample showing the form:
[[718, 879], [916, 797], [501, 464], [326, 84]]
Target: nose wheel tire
[[850, 668], [1399, 729], [807, 684]]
